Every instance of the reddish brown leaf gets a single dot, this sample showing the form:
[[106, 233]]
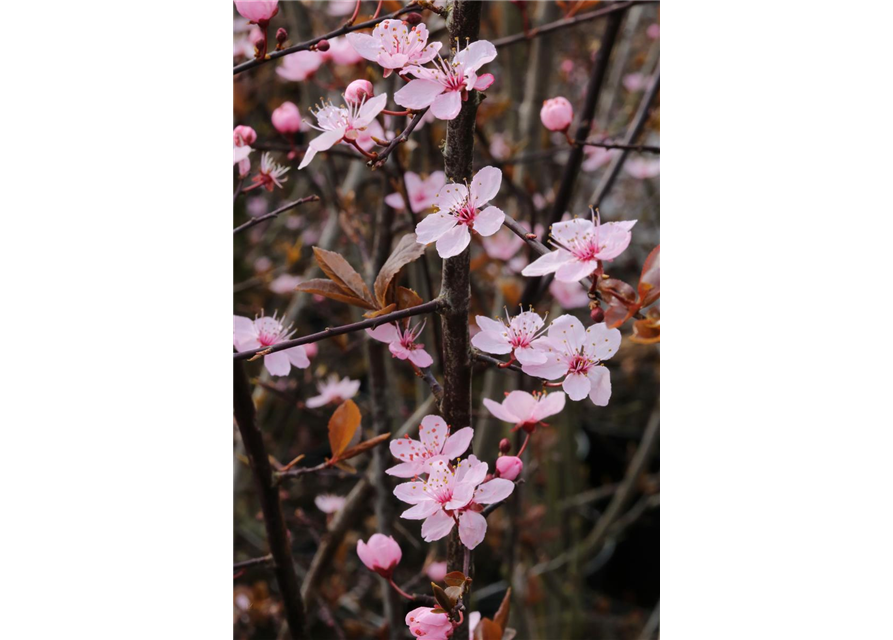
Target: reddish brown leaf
[[381, 312], [487, 630], [342, 274], [647, 330], [405, 252], [407, 298], [328, 289], [342, 425], [649, 283], [455, 579], [363, 446], [502, 615]]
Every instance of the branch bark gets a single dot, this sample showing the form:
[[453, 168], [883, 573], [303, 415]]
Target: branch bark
[[268, 491]]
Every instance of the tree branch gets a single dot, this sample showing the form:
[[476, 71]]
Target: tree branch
[[273, 214], [403, 137], [371, 323], [268, 491]]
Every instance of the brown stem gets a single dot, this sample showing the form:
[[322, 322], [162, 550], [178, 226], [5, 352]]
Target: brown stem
[[268, 492], [383, 156], [273, 214]]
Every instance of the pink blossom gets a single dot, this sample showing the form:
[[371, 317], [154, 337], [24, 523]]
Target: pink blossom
[[286, 118], [436, 571], [597, 157], [265, 332], [381, 554], [567, 65], [243, 138], [582, 244], [244, 45], [570, 295], [447, 85], [557, 114], [653, 31], [450, 496], [257, 10], [509, 467], [422, 622], [401, 343], [499, 147], [634, 82], [394, 45], [578, 354], [358, 90], [526, 410], [334, 391], [503, 245], [341, 52], [328, 503], [285, 283], [341, 7], [515, 335], [340, 123], [434, 441], [459, 210], [422, 192], [641, 168], [300, 65], [270, 173]]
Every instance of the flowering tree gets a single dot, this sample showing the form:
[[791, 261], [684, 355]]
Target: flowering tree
[[422, 167]]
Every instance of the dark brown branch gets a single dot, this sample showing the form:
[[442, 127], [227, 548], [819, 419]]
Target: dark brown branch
[[306, 46], [371, 323], [300, 471], [628, 147], [268, 492], [483, 357], [562, 24], [254, 562], [273, 214], [403, 137]]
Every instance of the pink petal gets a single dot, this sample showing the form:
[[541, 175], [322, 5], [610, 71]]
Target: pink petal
[[418, 94], [277, 364], [601, 341], [577, 386], [447, 105], [485, 185], [489, 221], [571, 231], [453, 242], [433, 227], [567, 331], [406, 449], [529, 355], [437, 526], [600, 378], [399, 351], [392, 60], [384, 333], [420, 358], [411, 492], [402, 470], [500, 411], [575, 270], [472, 528], [555, 367], [521, 404], [549, 405], [487, 324], [457, 444], [395, 201], [371, 109], [491, 342], [365, 45], [326, 140], [298, 357], [483, 82], [451, 197], [548, 263], [433, 432], [462, 495], [477, 54], [494, 490], [421, 511]]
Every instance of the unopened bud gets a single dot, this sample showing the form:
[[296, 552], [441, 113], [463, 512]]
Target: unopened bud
[[412, 18], [358, 90], [597, 314], [509, 467], [281, 36], [505, 446], [322, 45]]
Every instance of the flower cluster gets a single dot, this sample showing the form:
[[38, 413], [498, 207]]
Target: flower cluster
[[394, 45]]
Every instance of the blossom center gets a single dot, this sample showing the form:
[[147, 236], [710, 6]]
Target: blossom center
[[580, 364], [466, 215]]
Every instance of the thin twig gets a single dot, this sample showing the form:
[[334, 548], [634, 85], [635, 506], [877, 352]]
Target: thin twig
[[306, 46], [273, 214], [628, 147], [383, 156], [371, 323], [254, 562], [483, 357]]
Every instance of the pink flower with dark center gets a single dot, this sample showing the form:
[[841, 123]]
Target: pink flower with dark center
[[582, 244], [270, 173], [526, 411], [286, 118], [266, 332], [577, 354], [342, 123], [444, 87], [381, 554], [459, 211], [300, 65], [329, 504], [394, 45], [401, 343], [423, 623], [422, 193], [257, 10], [449, 497], [334, 391], [434, 441], [513, 335]]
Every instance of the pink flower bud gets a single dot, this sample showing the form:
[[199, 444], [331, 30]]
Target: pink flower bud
[[597, 314], [286, 118], [381, 554], [412, 18], [322, 45], [257, 10], [505, 446], [557, 114], [243, 135], [509, 467], [281, 35], [357, 90]]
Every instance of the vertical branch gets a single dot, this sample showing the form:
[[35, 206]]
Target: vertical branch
[[277, 534], [455, 290]]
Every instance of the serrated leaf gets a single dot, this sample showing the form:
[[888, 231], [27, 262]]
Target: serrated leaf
[[328, 289], [455, 579], [342, 425], [341, 273], [363, 446], [406, 251], [502, 615]]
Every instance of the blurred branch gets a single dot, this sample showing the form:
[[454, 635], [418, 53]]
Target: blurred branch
[[371, 323], [273, 214], [628, 147], [254, 562], [566, 22], [483, 357], [403, 137], [306, 46]]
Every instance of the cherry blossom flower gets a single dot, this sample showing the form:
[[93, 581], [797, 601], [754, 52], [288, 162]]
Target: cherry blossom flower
[[422, 192], [270, 173], [578, 354], [334, 391], [328, 503], [557, 114], [358, 90], [436, 571], [642, 168], [526, 410], [342, 123], [446, 86], [515, 336], [597, 157], [434, 442], [286, 118], [393, 45], [257, 10], [450, 496], [570, 295], [300, 65], [243, 138], [265, 332], [285, 283], [509, 467], [401, 343], [340, 7], [503, 245], [381, 554], [340, 51], [244, 44], [422, 622], [582, 244], [459, 211]]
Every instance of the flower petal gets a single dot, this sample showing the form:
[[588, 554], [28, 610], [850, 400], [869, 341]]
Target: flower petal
[[489, 221], [485, 185], [491, 342], [529, 355], [472, 528], [483, 82], [601, 341], [420, 358], [494, 491], [418, 94], [437, 526], [457, 444], [411, 492], [574, 270], [548, 263], [384, 333], [451, 197], [477, 54], [577, 386], [501, 411], [433, 433], [421, 511], [395, 201], [600, 378], [298, 357], [277, 364], [520, 404], [447, 105], [371, 109], [433, 227], [365, 45], [549, 405], [567, 332], [402, 470], [453, 242]]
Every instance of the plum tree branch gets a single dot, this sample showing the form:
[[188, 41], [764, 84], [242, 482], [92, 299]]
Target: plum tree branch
[[403, 137], [273, 214]]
